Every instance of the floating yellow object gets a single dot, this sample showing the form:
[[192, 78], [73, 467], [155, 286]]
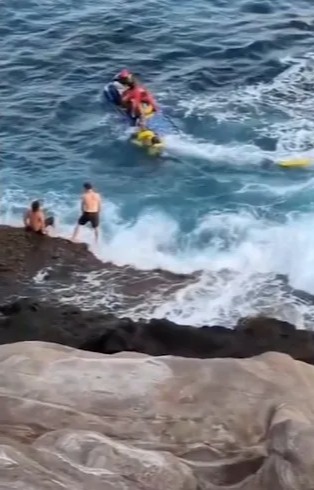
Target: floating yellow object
[[145, 138], [296, 162]]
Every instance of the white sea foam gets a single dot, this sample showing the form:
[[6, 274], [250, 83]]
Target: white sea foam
[[185, 146], [289, 95]]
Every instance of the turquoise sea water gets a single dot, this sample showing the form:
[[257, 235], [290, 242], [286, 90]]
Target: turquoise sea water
[[237, 80]]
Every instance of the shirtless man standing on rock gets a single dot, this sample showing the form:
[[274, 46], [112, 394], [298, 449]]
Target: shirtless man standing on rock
[[91, 206]]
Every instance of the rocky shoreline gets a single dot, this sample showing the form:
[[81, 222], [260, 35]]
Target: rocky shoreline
[[27, 317], [40, 267]]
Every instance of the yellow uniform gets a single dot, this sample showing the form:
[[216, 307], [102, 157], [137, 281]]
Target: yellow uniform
[[144, 137]]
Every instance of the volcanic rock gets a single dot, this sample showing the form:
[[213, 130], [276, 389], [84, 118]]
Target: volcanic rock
[[26, 319]]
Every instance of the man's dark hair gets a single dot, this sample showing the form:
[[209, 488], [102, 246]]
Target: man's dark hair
[[35, 206], [155, 140], [88, 186]]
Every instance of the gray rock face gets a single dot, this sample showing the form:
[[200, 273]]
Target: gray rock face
[[71, 419]]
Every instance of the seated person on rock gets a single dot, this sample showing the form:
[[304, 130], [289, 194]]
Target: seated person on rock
[[135, 97], [35, 220]]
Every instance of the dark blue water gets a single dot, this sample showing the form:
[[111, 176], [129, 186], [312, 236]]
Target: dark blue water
[[237, 80]]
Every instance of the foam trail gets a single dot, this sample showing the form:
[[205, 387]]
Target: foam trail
[[252, 106], [237, 154]]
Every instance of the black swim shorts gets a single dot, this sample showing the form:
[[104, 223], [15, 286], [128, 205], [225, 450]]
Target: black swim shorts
[[92, 218]]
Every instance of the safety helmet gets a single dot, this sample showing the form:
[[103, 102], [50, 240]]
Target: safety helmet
[[124, 75]]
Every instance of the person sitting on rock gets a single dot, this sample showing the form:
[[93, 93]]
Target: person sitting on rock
[[35, 220]]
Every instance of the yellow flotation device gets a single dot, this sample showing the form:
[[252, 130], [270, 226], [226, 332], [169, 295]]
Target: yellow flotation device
[[145, 138], [296, 162]]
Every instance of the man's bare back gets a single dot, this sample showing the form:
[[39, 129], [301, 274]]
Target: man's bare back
[[35, 220], [91, 207], [91, 201]]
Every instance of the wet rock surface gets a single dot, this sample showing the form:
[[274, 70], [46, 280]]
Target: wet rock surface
[[26, 319], [42, 266], [23, 254]]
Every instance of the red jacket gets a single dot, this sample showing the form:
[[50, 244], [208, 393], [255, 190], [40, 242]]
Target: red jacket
[[138, 95]]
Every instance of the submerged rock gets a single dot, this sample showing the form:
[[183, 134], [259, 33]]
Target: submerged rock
[[76, 420]]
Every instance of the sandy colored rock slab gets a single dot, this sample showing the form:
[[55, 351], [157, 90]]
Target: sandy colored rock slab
[[130, 421]]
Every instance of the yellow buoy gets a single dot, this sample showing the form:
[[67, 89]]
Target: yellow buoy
[[296, 162]]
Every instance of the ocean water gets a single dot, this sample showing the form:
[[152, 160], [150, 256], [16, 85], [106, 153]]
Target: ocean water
[[237, 79]]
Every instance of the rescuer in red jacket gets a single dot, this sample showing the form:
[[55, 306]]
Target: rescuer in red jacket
[[135, 97]]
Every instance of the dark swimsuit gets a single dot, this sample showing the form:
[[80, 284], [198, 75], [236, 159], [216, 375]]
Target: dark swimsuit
[[92, 218]]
